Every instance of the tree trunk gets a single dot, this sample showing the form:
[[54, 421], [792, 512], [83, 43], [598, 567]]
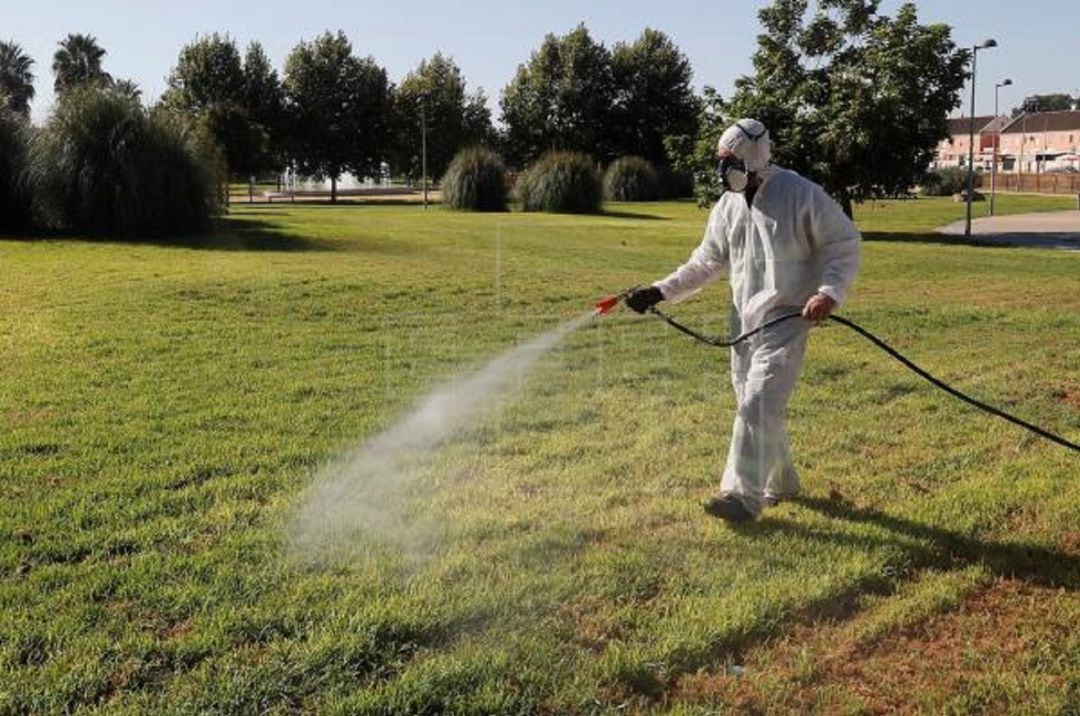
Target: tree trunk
[[333, 190], [845, 204]]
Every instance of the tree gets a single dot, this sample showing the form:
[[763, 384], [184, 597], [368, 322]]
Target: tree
[[237, 104], [695, 155], [1054, 102], [561, 99], [16, 78], [339, 106], [853, 99], [264, 102], [127, 88], [262, 92], [77, 62], [455, 119], [15, 196], [207, 73], [654, 97]]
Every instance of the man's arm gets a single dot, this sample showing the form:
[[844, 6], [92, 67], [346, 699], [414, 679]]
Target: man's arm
[[708, 263], [838, 245]]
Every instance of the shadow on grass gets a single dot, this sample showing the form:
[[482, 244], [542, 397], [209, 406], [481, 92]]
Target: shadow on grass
[[921, 546], [228, 234], [947, 239], [946, 549], [607, 213], [244, 234]]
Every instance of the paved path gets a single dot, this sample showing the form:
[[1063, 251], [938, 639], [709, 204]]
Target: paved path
[[1051, 230]]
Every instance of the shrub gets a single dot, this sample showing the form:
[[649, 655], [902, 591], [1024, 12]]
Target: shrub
[[475, 180], [631, 179], [564, 182], [102, 165], [945, 182], [14, 187]]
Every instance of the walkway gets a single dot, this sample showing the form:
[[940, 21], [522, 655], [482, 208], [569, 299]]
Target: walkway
[[1050, 230]]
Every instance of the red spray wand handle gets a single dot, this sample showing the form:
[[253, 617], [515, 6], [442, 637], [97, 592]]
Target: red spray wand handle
[[607, 304]]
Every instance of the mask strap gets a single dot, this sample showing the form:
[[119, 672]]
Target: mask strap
[[748, 135]]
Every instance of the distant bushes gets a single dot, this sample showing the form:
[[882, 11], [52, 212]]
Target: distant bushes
[[562, 182], [945, 182], [631, 179], [102, 164], [14, 184], [475, 181]]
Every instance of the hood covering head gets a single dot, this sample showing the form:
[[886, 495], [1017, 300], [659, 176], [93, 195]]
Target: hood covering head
[[749, 140]]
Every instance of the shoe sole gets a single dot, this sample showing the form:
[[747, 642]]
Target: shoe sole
[[727, 513]]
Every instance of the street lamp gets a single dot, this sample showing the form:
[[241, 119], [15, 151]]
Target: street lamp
[[997, 141], [984, 45]]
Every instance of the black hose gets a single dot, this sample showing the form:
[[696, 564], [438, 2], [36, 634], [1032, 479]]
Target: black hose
[[883, 346], [719, 342]]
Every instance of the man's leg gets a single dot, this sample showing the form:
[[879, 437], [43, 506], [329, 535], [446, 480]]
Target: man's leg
[[759, 456]]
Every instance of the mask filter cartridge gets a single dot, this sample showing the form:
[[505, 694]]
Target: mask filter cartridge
[[733, 174]]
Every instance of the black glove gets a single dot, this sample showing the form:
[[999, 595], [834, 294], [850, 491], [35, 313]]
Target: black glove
[[642, 299]]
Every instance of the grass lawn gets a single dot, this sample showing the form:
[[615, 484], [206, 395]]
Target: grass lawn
[[163, 407], [901, 219]]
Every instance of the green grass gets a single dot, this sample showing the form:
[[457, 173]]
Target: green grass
[[163, 407], [924, 214]]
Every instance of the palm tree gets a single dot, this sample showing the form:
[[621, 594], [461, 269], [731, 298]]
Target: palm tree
[[78, 61], [16, 77], [127, 88]]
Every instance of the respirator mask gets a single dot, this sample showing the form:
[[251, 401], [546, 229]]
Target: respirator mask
[[734, 175]]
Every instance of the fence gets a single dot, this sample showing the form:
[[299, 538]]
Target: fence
[[1033, 183]]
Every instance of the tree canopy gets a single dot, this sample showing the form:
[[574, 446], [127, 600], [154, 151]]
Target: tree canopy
[[654, 95], [207, 73], [854, 99], [1053, 102], [575, 94], [78, 62], [561, 99], [455, 118], [339, 106], [237, 103], [16, 77]]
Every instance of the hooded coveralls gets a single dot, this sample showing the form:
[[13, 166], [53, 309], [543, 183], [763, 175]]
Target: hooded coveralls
[[793, 242]]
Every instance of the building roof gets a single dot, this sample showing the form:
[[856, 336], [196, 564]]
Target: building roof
[[1030, 122], [962, 125]]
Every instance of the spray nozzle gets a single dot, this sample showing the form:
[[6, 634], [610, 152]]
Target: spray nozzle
[[607, 304]]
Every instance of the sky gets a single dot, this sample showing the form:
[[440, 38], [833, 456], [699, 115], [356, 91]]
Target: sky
[[490, 38]]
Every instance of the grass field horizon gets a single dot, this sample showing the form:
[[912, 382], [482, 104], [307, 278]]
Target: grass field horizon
[[166, 404]]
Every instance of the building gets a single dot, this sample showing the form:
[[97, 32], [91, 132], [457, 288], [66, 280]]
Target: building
[[1031, 143], [1037, 142], [953, 151]]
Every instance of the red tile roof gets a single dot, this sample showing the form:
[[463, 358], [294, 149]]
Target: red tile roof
[[1063, 121], [962, 125]]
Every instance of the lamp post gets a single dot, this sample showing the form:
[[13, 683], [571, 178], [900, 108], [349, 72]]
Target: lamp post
[[997, 141], [984, 45]]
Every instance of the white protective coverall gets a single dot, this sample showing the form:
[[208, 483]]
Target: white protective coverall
[[793, 242]]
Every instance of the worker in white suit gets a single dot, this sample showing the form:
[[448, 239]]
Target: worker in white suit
[[786, 247]]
